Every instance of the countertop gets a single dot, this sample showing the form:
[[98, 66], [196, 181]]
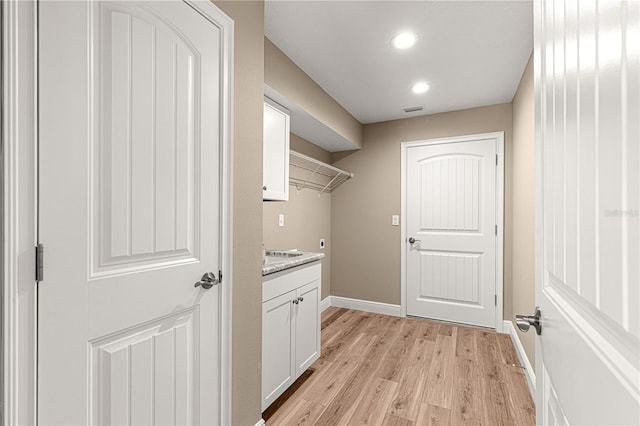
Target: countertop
[[279, 260]]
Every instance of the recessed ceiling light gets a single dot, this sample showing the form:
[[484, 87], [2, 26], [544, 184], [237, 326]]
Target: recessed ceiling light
[[420, 87], [404, 40]]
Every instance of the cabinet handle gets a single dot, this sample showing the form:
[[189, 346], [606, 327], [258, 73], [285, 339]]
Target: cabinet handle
[[301, 298], [264, 188], [295, 301]]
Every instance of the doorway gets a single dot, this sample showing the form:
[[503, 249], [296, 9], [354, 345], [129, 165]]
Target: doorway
[[452, 206]]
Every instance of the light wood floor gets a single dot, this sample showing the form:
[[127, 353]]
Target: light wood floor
[[382, 370]]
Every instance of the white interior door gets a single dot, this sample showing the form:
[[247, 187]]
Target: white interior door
[[452, 268], [587, 79], [129, 213]]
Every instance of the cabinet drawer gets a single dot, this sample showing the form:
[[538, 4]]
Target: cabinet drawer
[[282, 282]]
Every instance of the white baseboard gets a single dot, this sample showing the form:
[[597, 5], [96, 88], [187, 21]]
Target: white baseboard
[[325, 303], [522, 355], [365, 305], [260, 423]]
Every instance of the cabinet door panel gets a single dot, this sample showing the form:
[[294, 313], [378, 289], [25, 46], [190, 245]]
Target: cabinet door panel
[[307, 341], [275, 157], [278, 366]]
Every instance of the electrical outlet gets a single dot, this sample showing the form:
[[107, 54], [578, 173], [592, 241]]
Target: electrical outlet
[[322, 243], [281, 220], [395, 220]]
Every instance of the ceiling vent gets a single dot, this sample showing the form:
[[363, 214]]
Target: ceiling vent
[[413, 108]]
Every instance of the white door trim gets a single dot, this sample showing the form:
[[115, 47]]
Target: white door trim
[[19, 139], [226, 24], [404, 146], [19, 195]]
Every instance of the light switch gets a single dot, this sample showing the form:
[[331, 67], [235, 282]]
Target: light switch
[[322, 243], [281, 220], [395, 220]]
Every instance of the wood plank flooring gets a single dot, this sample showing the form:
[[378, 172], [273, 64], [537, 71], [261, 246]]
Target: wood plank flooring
[[382, 370]]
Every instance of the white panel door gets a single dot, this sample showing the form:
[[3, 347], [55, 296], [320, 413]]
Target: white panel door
[[587, 82], [130, 136], [452, 215]]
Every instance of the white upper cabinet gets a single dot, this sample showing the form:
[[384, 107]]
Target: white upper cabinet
[[275, 155]]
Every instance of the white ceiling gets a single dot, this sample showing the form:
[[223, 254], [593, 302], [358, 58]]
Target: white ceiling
[[472, 53]]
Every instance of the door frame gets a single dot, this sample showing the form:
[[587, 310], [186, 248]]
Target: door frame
[[404, 147], [18, 169]]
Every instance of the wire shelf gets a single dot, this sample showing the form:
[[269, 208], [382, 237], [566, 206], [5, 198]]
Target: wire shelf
[[307, 172]]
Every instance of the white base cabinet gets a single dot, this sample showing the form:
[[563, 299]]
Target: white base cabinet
[[290, 327]]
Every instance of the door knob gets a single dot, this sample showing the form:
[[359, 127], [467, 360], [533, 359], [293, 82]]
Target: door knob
[[413, 240], [526, 321], [207, 281]]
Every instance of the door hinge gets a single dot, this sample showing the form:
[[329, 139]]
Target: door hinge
[[496, 159], [496, 230], [39, 262], [219, 276], [496, 299]]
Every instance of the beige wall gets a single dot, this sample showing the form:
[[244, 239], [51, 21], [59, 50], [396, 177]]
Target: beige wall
[[524, 205], [285, 77], [307, 148], [247, 208], [366, 248], [307, 217]]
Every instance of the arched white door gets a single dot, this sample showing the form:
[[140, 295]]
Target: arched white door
[[587, 82], [131, 132]]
